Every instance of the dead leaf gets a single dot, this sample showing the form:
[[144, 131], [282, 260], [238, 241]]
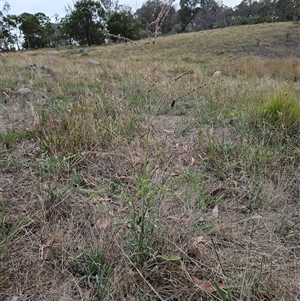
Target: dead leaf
[[177, 219], [217, 191], [48, 243], [125, 177], [169, 132], [202, 246], [89, 182], [197, 241], [102, 223], [207, 285], [195, 162], [99, 199], [199, 155], [128, 275], [185, 148]]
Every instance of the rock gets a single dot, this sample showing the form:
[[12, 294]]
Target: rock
[[50, 60], [215, 211], [46, 72], [77, 51], [92, 63], [82, 51], [24, 91], [217, 73], [85, 52]]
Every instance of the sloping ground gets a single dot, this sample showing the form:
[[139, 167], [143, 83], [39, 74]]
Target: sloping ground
[[82, 154]]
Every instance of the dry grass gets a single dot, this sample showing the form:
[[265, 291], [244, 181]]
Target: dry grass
[[109, 193]]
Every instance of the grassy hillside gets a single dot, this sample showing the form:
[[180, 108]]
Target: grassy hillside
[[135, 172]]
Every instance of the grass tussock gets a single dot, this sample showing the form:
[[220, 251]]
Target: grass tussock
[[144, 177], [282, 112]]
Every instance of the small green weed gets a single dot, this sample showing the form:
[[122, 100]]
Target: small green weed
[[57, 165], [255, 290], [225, 296], [10, 139], [77, 178], [196, 190], [143, 207], [9, 163], [95, 272], [8, 230], [205, 226]]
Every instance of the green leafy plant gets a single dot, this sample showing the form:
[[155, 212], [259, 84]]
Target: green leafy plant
[[224, 295], [57, 165], [10, 139], [95, 272], [143, 207], [8, 230], [77, 178]]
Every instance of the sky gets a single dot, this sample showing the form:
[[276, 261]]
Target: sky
[[51, 7]]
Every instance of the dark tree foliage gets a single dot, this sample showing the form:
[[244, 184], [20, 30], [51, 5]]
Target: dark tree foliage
[[203, 14], [37, 30], [267, 11], [252, 12], [124, 24], [288, 10], [58, 38], [187, 12], [149, 12], [210, 15], [85, 23], [110, 6]]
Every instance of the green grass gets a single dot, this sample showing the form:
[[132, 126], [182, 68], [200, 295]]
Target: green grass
[[95, 272], [282, 115], [11, 138], [123, 164], [9, 230]]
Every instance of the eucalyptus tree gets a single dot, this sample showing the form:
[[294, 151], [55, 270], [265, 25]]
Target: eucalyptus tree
[[124, 24], [37, 30], [150, 11], [8, 37], [85, 23]]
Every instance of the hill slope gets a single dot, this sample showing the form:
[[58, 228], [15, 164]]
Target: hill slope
[[130, 172]]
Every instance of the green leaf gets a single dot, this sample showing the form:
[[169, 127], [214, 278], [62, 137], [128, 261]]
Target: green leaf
[[169, 258]]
